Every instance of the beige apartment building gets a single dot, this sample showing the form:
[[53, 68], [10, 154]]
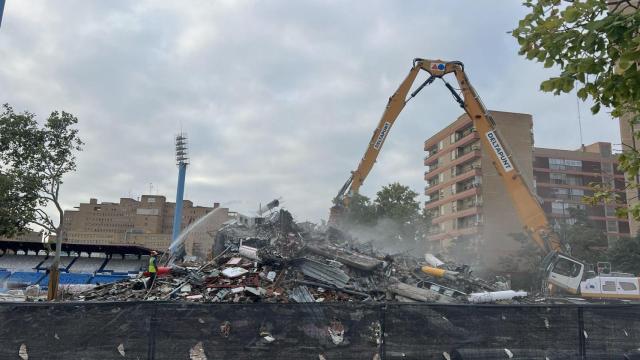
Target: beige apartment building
[[467, 198], [466, 195], [563, 178], [147, 222]]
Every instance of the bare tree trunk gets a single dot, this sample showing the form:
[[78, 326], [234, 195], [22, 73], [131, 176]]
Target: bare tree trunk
[[54, 271]]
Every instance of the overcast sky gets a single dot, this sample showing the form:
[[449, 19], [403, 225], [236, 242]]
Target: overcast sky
[[279, 98]]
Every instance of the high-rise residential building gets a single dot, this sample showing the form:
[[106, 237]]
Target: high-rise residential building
[[146, 222], [467, 198], [629, 142], [627, 128], [563, 178], [468, 201]]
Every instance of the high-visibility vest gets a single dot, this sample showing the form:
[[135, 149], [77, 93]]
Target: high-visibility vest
[[152, 265]]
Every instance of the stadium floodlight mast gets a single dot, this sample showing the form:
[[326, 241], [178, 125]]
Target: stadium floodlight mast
[[182, 160]]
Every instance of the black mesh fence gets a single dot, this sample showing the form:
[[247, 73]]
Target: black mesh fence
[[160, 330]]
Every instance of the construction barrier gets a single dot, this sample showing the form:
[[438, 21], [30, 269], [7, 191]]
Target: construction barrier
[[164, 330]]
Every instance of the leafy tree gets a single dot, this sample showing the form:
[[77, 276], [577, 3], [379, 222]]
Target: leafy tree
[[587, 241], [397, 202], [596, 45], [18, 199], [525, 263], [35, 160], [361, 211], [625, 255]]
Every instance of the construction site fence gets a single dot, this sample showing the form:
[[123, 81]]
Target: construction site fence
[[171, 330]]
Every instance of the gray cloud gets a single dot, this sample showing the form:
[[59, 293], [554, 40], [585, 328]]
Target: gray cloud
[[279, 98]]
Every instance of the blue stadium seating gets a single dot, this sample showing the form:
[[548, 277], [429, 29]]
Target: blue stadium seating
[[68, 278], [106, 279], [4, 274], [23, 277]]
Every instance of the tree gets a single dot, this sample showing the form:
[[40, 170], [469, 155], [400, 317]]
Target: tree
[[397, 204], [361, 211], [18, 199], [596, 45], [35, 160], [587, 242], [624, 255]]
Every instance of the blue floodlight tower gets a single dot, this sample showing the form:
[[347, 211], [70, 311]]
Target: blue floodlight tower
[[1, 10], [182, 159]]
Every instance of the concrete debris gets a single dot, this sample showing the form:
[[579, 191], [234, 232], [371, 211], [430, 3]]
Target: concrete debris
[[274, 260]]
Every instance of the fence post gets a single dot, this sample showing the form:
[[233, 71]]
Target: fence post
[[383, 331], [151, 351], [582, 351]]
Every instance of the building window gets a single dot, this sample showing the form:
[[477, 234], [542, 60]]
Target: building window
[[562, 164], [628, 286], [609, 286], [558, 178]]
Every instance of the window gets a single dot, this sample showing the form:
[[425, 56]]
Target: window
[[627, 286], [558, 178], [566, 267], [612, 226], [453, 155], [609, 286], [452, 138], [562, 164], [557, 164]]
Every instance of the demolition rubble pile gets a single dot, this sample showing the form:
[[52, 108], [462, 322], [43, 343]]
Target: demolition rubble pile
[[274, 259]]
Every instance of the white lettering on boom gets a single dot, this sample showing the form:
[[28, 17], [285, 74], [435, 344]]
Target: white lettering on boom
[[499, 150]]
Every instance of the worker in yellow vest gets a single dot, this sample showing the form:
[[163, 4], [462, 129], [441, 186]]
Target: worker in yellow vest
[[153, 268]]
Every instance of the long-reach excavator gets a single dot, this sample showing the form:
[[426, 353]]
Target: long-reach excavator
[[558, 268]]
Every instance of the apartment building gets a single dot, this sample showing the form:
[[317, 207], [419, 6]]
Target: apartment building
[[466, 195], [146, 222], [563, 178]]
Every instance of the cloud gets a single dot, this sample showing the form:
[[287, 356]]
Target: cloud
[[278, 98]]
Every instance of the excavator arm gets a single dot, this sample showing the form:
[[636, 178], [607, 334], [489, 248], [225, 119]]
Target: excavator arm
[[396, 103], [529, 210], [527, 207]]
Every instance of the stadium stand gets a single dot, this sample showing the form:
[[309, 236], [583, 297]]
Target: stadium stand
[[19, 278], [20, 262], [64, 262], [67, 278], [125, 266], [3, 275], [106, 279], [87, 265]]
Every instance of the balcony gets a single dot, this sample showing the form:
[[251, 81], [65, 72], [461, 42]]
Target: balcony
[[472, 155], [441, 200], [473, 172], [444, 235], [456, 215], [467, 139]]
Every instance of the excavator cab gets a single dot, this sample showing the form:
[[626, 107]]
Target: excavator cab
[[563, 271]]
